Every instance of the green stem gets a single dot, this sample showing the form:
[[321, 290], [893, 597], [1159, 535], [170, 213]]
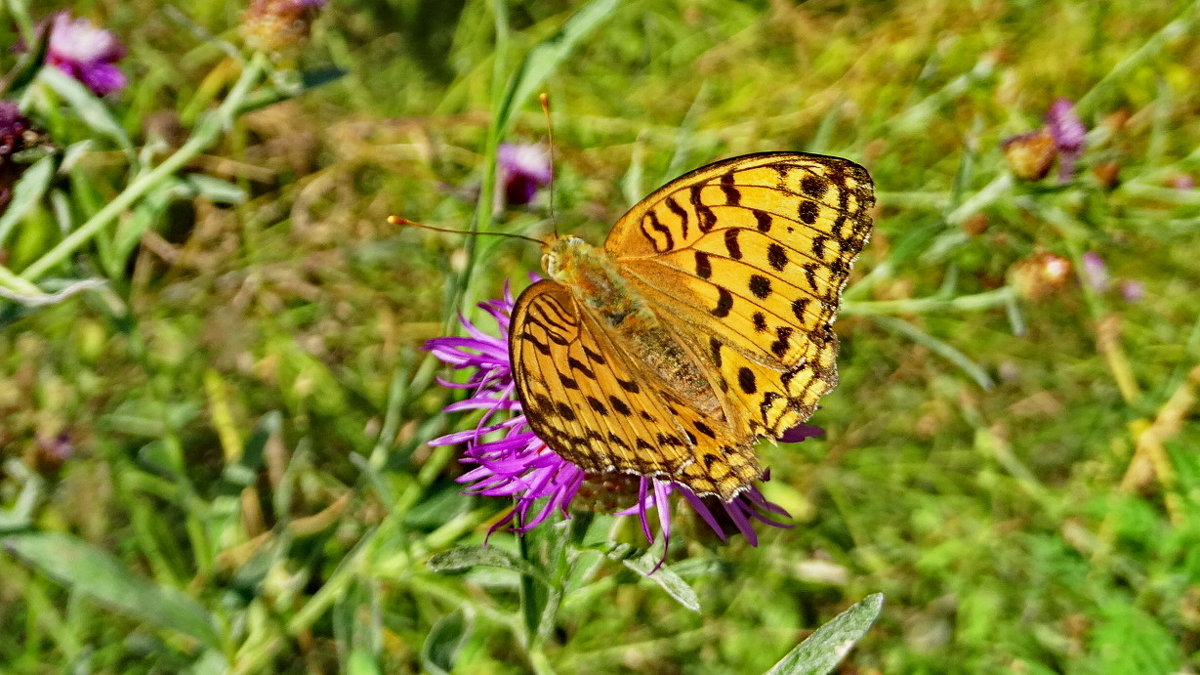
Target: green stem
[[986, 300], [205, 134], [16, 283]]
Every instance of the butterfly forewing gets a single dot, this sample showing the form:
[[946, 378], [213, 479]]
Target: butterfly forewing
[[749, 257]]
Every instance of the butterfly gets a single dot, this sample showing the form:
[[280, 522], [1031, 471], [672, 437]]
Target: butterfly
[[702, 325]]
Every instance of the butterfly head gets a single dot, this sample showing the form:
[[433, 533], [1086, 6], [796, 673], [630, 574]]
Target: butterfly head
[[562, 257]]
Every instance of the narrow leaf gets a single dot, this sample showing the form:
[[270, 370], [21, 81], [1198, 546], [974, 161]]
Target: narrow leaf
[[543, 59], [444, 641], [829, 644], [92, 110], [942, 349], [26, 194], [649, 565], [466, 557], [98, 575]]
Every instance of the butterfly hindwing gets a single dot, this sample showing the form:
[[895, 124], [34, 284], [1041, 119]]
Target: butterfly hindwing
[[597, 408]]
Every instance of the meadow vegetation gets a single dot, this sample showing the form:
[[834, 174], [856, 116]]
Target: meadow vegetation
[[217, 458]]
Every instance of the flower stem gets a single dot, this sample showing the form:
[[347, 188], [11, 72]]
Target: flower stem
[[205, 134], [986, 300]]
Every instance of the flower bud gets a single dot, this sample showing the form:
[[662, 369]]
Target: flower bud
[[1040, 276], [1030, 155]]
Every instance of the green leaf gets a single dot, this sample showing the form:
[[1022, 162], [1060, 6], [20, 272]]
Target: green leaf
[[27, 193], [445, 639], [27, 65], [942, 349], [213, 189], [92, 110], [829, 644], [649, 565], [362, 662], [100, 576], [543, 59], [466, 557]]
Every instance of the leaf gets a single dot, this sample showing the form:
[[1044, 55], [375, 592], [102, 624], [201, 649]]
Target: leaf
[[670, 582], [100, 576], [829, 644], [466, 557], [213, 189], [27, 65], [649, 565], [942, 349], [546, 57], [92, 110], [27, 193], [444, 641]]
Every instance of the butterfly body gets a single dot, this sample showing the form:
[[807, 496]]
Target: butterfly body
[[595, 281], [703, 324]]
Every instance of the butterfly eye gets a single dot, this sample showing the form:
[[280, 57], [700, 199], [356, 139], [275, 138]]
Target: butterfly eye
[[550, 264]]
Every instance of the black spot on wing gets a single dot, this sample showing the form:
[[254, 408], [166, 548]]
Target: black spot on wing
[[724, 303]]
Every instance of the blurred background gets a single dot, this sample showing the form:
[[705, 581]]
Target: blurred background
[[214, 405]]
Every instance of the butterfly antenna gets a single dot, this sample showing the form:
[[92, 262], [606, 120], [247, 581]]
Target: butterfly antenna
[[398, 220], [544, 99]]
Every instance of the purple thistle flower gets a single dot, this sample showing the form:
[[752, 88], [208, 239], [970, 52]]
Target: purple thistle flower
[[524, 169], [511, 461], [87, 53], [13, 126], [16, 132], [1095, 272], [1068, 132], [1132, 290]]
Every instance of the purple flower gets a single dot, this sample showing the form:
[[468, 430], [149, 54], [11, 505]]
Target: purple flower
[[1068, 132], [16, 133], [524, 168], [511, 461], [1182, 181], [13, 126], [87, 53], [1132, 290], [1095, 272]]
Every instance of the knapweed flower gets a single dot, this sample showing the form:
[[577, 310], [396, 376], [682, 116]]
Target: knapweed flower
[[87, 53], [16, 134], [1068, 132], [1030, 155], [1095, 272], [1132, 290], [278, 25], [1182, 181], [509, 460], [524, 169]]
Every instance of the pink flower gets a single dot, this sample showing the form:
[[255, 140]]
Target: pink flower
[[1068, 132], [511, 461], [87, 53], [524, 169], [1095, 272], [1132, 290]]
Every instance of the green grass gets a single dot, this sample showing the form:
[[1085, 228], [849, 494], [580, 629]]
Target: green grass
[[248, 402]]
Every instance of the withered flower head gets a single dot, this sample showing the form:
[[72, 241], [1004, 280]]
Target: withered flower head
[[279, 25], [1040, 276], [1030, 155]]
